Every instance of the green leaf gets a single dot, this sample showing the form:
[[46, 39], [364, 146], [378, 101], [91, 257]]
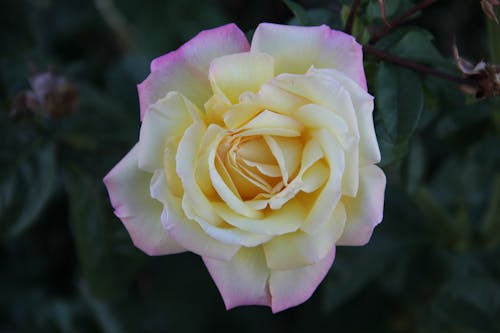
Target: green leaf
[[490, 226], [399, 100], [414, 166], [494, 38], [299, 12], [373, 11], [414, 44], [470, 302], [107, 258], [356, 267], [28, 182], [314, 16]]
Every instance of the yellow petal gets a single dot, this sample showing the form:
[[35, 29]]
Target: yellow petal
[[234, 74]]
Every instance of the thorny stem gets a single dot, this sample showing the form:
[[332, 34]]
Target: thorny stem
[[352, 15], [382, 31], [368, 49]]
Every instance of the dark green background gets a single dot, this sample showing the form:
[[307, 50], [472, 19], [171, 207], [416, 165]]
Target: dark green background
[[68, 265]]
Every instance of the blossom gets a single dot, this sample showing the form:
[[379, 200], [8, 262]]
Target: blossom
[[260, 159]]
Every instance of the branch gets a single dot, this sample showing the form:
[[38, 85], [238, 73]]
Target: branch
[[382, 31], [352, 15], [417, 67]]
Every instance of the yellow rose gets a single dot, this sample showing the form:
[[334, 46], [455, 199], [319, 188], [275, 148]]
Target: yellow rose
[[261, 159]]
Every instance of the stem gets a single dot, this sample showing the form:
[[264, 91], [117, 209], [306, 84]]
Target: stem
[[352, 15], [417, 67], [382, 31]]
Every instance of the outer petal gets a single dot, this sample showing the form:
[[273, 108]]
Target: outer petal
[[186, 69], [364, 211], [295, 49], [293, 287], [128, 188], [243, 280]]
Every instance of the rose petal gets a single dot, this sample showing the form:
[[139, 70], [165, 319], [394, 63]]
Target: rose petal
[[295, 49], [293, 287], [363, 104], [186, 69], [184, 231], [233, 74], [166, 120], [299, 249], [327, 199], [364, 211], [128, 188], [186, 158], [277, 222], [243, 280]]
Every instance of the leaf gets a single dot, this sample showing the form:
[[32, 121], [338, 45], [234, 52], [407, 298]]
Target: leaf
[[104, 249], [490, 225], [416, 44], [299, 12], [414, 166], [399, 100], [470, 302], [314, 16], [354, 268], [374, 9], [28, 182]]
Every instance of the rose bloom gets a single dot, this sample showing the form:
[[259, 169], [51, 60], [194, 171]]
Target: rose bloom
[[259, 158]]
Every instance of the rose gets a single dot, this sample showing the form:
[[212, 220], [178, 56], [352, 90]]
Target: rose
[[260, 159]]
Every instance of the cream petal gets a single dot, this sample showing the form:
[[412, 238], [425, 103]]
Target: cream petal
[[128, 188], [243, 280], [330, 194], [293, 287], [363, 104], [239, 114], [226, 233], [273, 121], [183, 230], [256, 150], [233, 74], [324, 91], [315, 176], [225, 191], [166, 120], [276, 222], [286, 151], [299, 249], [364, 211], [278, 100], [311, 154], [186, 69], [295, 49], [316, 116], [186, 163]]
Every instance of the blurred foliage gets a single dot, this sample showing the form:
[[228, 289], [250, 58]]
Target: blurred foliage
[[68, 265]]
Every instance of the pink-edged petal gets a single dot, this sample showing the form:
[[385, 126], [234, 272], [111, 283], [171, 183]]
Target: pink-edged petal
[[243, 280], [128, 188], [364, 211], [184, 230], [186, 69], [293, 287], [295, 49]]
